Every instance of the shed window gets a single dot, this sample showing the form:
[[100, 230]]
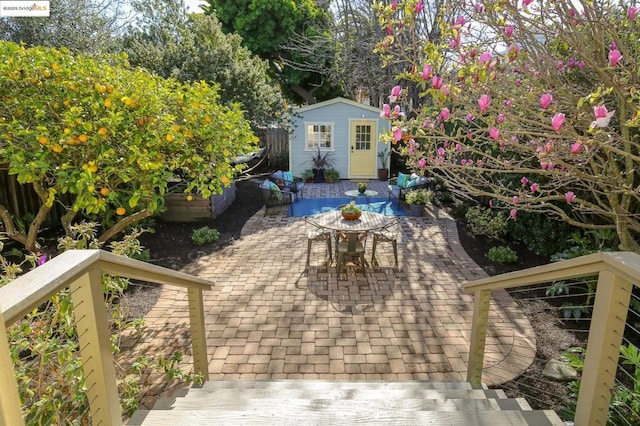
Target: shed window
[[320, 135]]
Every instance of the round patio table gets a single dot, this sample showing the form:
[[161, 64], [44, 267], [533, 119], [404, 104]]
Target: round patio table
[[368, 221], [354, 194], [352, 230]]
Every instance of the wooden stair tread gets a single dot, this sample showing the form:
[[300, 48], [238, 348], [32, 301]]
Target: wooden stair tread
[[368, 415], [328, 384], [302, 405]]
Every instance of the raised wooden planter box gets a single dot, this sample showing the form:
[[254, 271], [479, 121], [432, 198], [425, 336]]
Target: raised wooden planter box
[[199, 209]]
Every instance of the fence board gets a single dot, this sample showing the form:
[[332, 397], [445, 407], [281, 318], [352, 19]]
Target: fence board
[[276, 139]]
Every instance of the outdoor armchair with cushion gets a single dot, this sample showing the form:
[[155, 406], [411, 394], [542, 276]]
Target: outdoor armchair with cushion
[[273, 195], [398, 186], [288, 182]]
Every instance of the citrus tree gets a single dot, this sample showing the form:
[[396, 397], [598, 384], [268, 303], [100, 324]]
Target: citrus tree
[[102, 140], [531, 104]]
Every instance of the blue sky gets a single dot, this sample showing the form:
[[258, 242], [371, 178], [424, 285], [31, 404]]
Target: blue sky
[[193, 4]]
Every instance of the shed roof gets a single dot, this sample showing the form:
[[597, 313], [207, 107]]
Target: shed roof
[[335, 101]]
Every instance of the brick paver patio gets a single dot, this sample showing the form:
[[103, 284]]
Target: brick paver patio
[[268, 317]]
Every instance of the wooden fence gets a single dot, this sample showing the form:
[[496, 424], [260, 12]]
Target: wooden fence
[[276, 139]]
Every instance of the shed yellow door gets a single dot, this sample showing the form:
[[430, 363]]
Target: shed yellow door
[[363, 140]]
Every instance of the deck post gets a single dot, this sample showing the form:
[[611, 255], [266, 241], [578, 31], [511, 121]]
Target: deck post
[[603, 348], [10, 413], [479, 325], [95, 349], [198, 335]]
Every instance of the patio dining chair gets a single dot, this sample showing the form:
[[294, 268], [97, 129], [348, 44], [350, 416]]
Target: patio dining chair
[[388, 234], [350, 245], [318, 234]]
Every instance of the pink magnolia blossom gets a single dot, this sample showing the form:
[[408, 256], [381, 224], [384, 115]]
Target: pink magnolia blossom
[[569, 196], [386, 111], [460, 21], [394, 4], [436, 82], [483, 102], [444, 114], [508, 30], [426, 71], [422, 163], [516, 199], [614, 57], [576, 147], [490, 203], [494, 133], [389, 31], [603, 117], [514, 139], [485, 57], [524, 180], [526, 3], [395, 92], [513, 213], [478, 7], [444, 90], [545, 100], [441, 152], [508, 103], [557, 121], [518, 81], [397, 133], [632, 12], [419, 6], [397, 112], [500, 119], [535, 187], [470, 117]]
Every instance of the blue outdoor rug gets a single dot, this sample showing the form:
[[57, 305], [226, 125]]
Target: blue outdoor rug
[[311, 206]]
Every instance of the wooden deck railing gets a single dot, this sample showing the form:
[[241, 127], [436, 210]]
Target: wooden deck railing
[[617, 274], [81, 271]]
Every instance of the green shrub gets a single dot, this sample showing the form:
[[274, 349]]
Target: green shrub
[[204, 235], [280, 161], [484, 221], [540, 234], [502, 254]]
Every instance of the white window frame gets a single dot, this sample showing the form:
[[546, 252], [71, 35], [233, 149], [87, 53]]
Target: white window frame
[[314, 147]]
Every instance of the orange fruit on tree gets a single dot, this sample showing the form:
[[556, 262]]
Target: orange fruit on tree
[[189, 198], [107, 103], [169, 137], [102, 131], [57, 148], [43, 140], [120, 211], [104, 191], [82, 138]]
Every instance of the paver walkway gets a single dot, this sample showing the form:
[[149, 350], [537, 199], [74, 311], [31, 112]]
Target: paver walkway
[[269, 318]]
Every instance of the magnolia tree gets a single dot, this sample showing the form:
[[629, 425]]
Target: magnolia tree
[[532, 104], [102, 141]]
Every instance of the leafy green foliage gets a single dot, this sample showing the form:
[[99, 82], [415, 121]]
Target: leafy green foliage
[[192, 47], [204, 235], [103, 140], [44, 346], [502, 254], [625, 402], [485, 221], [265, 26], [280, 161], [539, 234]]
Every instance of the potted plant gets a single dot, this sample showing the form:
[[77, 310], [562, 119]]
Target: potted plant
[[417, 199], [351, 211], [319, 162], [331, 175], [383, 171], [362, 188], [307, 175]]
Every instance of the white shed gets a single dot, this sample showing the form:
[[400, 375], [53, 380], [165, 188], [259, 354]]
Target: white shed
[[348, 129]]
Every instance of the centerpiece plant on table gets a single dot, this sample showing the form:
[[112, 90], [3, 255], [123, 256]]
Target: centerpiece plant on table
[[351, 211]]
